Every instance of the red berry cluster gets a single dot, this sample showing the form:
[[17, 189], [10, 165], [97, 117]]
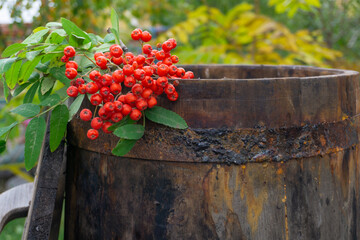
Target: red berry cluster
[[145, 76]]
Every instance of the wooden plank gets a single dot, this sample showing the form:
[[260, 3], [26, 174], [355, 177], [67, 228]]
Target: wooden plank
[[14, 203], [45, 210]]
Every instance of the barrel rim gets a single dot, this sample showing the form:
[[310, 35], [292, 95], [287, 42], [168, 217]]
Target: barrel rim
[[333, 72]]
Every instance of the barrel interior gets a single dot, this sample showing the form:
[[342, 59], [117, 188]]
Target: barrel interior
[[257, 71]]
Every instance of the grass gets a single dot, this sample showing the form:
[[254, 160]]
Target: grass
[[13, 230]]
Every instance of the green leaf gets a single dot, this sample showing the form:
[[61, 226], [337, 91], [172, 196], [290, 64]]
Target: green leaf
[[5, 64], [12, 76], [43, 67], [50, 56], [50, 48], [36, 37], [95, 40], [123, 147], [56, 36], [103, 47], [130, 131], [116, 33], [20, 88], [28, 69], [50, 100], [58, 121], [59, 74], [74, 107], [31, 55], [124, 121], [34, 77], [34, 136], [75, 40], [53, 25], [62, 92], [2, 146], [29, 96], [166, 117], [14, 48], [114, 20], [71, 28], [27, 110], [46, 84], [109, 38], [4, 130]]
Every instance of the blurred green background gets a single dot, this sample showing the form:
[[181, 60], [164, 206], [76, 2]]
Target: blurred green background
[[296, 32]]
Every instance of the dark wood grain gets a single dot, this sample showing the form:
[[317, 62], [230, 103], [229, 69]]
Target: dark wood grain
[[14, 203], [272, 152], [45, 211]]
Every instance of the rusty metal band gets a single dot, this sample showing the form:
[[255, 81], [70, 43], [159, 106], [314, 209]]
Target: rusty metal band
[[222, 145]]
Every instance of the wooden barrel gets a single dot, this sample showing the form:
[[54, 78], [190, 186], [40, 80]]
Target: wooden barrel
[[272, 152]]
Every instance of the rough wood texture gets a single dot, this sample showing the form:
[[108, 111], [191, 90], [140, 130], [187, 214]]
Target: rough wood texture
[[14, 203], [272, 152], [45, 211]]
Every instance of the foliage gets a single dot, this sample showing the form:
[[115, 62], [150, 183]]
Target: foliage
[[242, 36], [292, 6], [34, 67]]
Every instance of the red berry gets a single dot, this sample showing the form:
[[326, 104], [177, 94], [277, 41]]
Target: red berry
[[82, 89], [136, 34], [145, 36], [95, 75], [116, 50], [64, 59], [148, 71], [128, 69], [109, 107], [72, 91], [116, 117], [79, 81], [85, 114], [92, 134], [106, 80], [103, 114], [130, 98], [104, 91], [129, 81], [176, 83], [135, 114], [117, 61], [180, 72], [122, 99], [140, 59], [69, 51], [109, 98], [105, 127], [96, 99], [70, 73], [146, 93], [118, 76], [147, 81], [172, 70], [146, 49], [101, 62], [107, 55], [162, 82], [167, 61], [118, 106], [151, 102], [160, 55], [126, 109], [167, 46], [162, 70], [169, 89], [173, 97], [188, 75], [71, 64], [115, 88], [96, 123], [137, 89], [173, 41], [91, 88], [141, 104], [174, 59], [139, 74], [98, 54]]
